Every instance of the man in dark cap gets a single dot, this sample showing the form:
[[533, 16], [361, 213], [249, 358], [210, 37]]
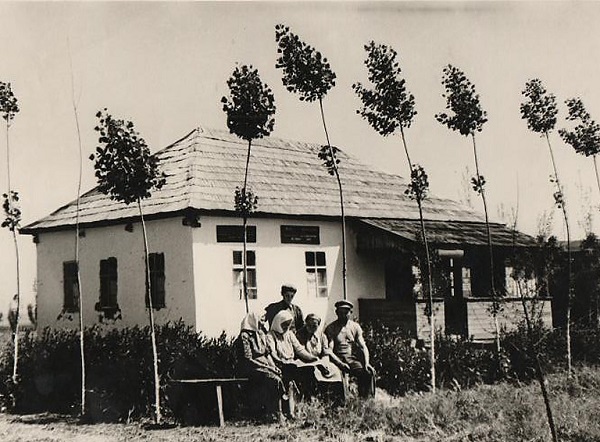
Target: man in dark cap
[[347, 342], [288, 291]]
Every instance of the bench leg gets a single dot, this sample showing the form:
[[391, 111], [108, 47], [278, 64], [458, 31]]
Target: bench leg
[[220, 405]]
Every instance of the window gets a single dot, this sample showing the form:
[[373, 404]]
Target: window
[[316, 274], [108, 283], [238, 274], [70, 287], [156, 262], [236, 233], [466, 281]]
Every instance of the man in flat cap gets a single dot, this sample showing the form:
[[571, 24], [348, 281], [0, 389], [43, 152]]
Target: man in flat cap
[[346, 341], [288, 291]]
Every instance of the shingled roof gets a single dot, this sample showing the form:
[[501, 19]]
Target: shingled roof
[[205, 166], [443, 233]]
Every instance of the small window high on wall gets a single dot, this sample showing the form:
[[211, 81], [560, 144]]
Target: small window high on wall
[[238, 274], [70, 287], [108, 283], [156, 262], [316, 274]]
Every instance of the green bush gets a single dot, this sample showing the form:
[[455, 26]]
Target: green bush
[[400, 366], [118, 370]]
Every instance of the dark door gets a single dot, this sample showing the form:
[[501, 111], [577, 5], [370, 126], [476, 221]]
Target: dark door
[[455, 306]]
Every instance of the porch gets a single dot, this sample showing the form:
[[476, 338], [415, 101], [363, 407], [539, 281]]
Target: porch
[[478, 321], [461, 277]]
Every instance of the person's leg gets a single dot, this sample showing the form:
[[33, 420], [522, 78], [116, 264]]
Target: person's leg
[[364, 378]]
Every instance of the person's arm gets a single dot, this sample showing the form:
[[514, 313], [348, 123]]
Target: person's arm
[[360, 340], [299, 351], [299, 319], [247, 355], [273, 350]]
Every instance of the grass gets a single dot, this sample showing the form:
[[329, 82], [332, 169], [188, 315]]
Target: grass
[[503, 412]]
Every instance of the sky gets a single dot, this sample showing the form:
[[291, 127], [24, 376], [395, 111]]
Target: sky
[[164, 66]]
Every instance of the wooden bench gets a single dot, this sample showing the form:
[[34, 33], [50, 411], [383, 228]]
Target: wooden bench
[[217, 383]]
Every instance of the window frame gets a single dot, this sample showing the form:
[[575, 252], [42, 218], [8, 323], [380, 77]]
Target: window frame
[[70, 287], [237, 273], [109, 297], [315, 287], [157, 281]]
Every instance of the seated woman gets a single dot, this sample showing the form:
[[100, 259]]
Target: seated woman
[[315, 342], [285, 348], [255, 362]]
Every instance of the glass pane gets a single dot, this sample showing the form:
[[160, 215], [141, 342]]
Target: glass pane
[[237, 283], [237, 258], [310, 259], [321, 259], [252, 293], [322, 278], [250, 258], [251, 277], [323, 292], [311, 281]]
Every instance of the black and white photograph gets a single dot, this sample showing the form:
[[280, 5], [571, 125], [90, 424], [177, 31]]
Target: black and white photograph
[[300, 220]]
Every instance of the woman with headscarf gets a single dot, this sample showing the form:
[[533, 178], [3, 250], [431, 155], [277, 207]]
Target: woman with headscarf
[[283, 343], [255, 362], [289, 355]]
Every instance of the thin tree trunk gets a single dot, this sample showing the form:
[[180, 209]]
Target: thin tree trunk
[[245, 231], [431, 315], [80, 297], [569, 269], [14, 234], [341, 193], [596, 171], [495, 302], [18, 314], [539, 372], [151, 318]]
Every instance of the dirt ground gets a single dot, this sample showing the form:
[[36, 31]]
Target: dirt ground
[[51, 428]]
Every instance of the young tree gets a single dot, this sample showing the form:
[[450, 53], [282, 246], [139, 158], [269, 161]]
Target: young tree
[[389, 107], [468, 117], [585, 136], [250, 107], [8, 109], [127, 172], [524, 269], [307, 73], [539, 110], [79, 293]]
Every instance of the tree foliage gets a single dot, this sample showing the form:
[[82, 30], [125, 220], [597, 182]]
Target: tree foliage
[[388, 105], [305, 71], [466, 114], [250, 106], [419, 184], [539, 109], [12, 212], [9, 106], [585, 136], [125, 168]]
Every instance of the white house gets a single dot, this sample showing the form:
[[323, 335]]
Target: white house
[[195, 244]]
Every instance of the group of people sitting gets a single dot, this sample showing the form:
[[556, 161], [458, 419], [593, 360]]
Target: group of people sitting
[[282, 348]]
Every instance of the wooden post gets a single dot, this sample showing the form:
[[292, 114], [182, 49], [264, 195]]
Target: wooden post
[[220, 405]]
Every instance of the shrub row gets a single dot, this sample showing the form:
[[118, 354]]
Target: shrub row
[[120, 380], [119, 375], [403, 367]]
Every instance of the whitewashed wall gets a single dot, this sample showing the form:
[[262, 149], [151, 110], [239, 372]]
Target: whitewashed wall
[[167, 236], [218, 308]]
